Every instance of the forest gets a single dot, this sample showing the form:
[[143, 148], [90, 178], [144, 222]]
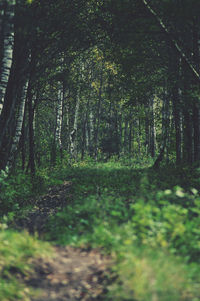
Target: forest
[[100, 150]]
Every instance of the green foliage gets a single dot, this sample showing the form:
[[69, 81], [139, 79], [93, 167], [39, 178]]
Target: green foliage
[[18, 188], [170, 220], [147, 275], [17, 251], [13, 190], [144, 219], [152, 234]]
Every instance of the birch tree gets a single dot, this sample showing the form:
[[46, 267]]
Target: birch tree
[[7, 46], [18, 130]]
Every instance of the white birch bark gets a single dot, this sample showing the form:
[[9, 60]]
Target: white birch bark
[[59, 118], [75, 128], [7, 50], [18, 130], [91, 119], [87, 136]]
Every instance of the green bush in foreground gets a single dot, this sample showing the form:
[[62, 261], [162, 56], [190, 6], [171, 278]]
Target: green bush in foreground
[[16, 253], [152, 275], [152, 234]]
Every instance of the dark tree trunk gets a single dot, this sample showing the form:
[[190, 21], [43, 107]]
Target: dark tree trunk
[[187, 118], [13, 98], [96, 133], [196, 107], [31, 112], [177, 122], [152, 129]]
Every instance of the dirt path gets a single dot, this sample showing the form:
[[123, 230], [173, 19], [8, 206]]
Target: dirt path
[[73, 273]]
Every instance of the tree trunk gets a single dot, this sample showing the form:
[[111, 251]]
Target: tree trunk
[[138, 136], [73, 133], [13, 97], [196, 107], [7, 48], [130, 137], [59, 119], [152, 129], [18, 130], [57, 142], [147, 129], [125, 136], [96, 133], [91, 132], [31, 113], [177, 122]]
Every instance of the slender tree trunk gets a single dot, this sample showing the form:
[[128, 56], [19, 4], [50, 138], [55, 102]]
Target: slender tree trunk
[[59, 119], [18, 130], [7, 48], [57, 142], [91, 132], [138, 136], [73, 133], [125, 136], [130, 138], [165, 127], [87, 136], [31, 113], [96, 134], [85, 141], [67, 116], [83, 144], [147, 129], [152, 129], [22, 142], [116, 138], [177, 122], [187, 118], [196, 106]]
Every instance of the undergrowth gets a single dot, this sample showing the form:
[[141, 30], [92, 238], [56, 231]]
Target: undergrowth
[[17, 251], [147, 220]]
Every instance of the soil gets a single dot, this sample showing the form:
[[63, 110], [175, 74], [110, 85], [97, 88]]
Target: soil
[[72, 273]]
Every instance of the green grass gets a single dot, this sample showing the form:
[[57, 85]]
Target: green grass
[[144, 219], [147, 220], [16, 253]]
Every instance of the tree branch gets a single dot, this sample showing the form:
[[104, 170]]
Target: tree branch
[[175, 42]]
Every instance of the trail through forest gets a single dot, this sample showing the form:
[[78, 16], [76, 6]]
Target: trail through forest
[[106, 232], [100, 150], [72, 273]]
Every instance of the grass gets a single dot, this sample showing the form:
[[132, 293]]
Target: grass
[[147, 220], [17, 251]]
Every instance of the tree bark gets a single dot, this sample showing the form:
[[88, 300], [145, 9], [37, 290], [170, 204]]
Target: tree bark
[[73, 134], [18, 129], [57, 141], [177, 122], [196, 106], [187, 118], [31, 113], [7, 48], [152, 128], [96, 133]]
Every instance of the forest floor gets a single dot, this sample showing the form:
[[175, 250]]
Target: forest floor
[[72, 273], [103, 231]]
